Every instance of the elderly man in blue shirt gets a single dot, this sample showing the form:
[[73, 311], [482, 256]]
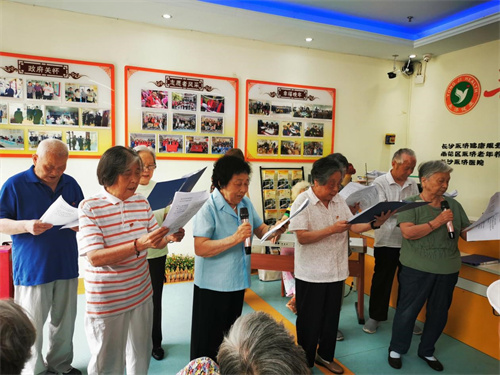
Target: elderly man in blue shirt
[[44, 257]]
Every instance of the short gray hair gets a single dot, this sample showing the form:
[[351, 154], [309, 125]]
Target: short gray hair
[[429, 168], [52, 145], [323, 168], [114, 162], [398, 155], [142, 148], [257, 344], [17, 336]]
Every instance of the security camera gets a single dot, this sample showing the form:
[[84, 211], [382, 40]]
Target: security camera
[[391, 75]]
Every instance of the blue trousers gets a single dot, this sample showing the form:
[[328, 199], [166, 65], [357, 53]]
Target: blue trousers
[[416, 288]]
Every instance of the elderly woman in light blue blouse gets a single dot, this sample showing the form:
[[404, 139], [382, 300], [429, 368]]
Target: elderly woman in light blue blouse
[[222, 267]]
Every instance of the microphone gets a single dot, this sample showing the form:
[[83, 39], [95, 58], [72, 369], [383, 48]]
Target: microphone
[[451, 231], [244, 219]]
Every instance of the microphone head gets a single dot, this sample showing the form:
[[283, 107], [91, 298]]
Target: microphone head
[[244, 213], [445, 205]]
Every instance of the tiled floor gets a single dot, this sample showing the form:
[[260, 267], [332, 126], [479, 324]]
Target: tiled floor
[[360, 353]]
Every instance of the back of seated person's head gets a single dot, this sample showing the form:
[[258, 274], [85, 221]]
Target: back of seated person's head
[[17, 336], [256, 345]]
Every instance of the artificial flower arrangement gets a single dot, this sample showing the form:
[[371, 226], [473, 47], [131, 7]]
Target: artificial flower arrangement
[[179, 267]]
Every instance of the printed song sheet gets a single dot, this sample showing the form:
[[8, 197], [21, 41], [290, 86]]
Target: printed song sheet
[[279, 225], [184, 207], [353, 193], [488, 225], [61, 213]]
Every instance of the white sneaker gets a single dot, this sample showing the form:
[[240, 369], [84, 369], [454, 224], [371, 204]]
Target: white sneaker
[[371, 326], [340, 335]]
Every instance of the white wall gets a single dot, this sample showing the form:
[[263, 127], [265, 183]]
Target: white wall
[[431, 124], [368, 106]]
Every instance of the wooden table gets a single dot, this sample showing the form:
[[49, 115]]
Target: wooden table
[[286, 263]]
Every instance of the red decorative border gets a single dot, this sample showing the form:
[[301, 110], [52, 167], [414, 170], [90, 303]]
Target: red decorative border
[[234, 82], [280, 159], [110, 71]]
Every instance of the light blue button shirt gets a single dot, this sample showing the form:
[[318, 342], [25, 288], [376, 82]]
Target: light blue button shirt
[[228, 271]]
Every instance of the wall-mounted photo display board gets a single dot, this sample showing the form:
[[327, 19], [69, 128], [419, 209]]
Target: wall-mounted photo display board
[[287, 122], [276, 185], [181, 115], [46, 97]]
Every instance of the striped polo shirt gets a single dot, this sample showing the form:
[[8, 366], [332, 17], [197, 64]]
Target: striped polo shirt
[[107, 221]]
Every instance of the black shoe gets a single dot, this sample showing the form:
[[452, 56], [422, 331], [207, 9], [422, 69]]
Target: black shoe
[[435, 365], [73, 371], [394, 362], [158, 353]]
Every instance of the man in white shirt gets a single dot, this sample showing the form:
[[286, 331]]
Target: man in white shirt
[[393, 186]]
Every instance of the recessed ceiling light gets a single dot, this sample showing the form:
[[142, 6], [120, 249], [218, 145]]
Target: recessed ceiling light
[[412, 56], [167, 16], [309, 40]]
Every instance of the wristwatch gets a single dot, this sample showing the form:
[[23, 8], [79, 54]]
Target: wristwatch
[[372, 225]]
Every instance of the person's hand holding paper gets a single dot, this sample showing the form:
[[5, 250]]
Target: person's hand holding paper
[[177, 236], [37, 227], [61, 213], [284, 223]]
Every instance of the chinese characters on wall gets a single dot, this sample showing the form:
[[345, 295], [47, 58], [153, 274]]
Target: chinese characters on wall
[[469, 153]]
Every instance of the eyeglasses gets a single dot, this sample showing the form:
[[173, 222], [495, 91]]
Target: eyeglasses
[[149, 167]]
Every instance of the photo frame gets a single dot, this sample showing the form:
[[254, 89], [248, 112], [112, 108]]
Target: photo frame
[[35, 136], [41, 98], [170, 143], [202, 112], [142, 139], [281, 119]]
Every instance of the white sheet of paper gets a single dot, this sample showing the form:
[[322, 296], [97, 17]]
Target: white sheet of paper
[[451, 194], [488, 230], [353, 192], [73, 224], [60, 213], [492, 209], [278, 226], [183, 208]]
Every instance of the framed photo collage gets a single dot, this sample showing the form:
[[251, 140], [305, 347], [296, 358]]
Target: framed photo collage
[[289, 122], [181, 115], [44, 98]]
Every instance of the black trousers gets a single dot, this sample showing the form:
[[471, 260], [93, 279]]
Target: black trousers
[[213, 314], [157, 273], [318, 313], [386, 263]]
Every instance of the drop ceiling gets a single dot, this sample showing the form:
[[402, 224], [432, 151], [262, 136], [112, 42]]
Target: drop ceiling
[[373, 28]]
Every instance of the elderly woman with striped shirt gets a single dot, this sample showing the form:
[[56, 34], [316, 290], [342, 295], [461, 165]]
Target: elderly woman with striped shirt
[[117, 227]]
